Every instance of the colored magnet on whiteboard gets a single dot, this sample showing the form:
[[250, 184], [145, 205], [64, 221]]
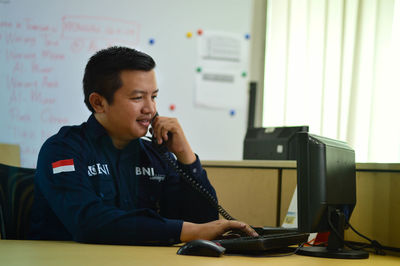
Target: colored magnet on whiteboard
[[198, 69], [247, 36], [232, 112], [244, 74], [151, 41], [199, 32], [189, 34], [172, 107]]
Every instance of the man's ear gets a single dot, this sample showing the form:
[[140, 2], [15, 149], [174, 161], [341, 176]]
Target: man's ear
[[98, 102]]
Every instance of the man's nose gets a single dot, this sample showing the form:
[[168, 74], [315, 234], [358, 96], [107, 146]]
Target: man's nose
[[149, 106]]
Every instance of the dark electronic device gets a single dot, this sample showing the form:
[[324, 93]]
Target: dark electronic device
[[262, 243], [252, 104], [271, 143], [201, 247], [326, 193]]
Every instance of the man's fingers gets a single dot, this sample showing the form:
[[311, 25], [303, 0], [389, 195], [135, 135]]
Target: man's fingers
[[242, 226]]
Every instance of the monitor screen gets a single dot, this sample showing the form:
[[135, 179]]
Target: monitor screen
[[326, 192], [326, 177]]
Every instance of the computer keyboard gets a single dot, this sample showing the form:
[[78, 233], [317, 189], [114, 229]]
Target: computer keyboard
[[263, 242], [268, 230]]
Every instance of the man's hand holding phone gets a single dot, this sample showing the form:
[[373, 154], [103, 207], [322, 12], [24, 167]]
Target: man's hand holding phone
[[168, 131]]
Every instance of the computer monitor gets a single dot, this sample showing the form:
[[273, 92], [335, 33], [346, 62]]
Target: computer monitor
[[271, 143], [326, 192]]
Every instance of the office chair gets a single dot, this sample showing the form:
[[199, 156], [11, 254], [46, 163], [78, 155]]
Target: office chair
[[16, 198]]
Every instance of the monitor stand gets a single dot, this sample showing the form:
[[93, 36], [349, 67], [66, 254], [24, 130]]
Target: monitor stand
[[335, 248]]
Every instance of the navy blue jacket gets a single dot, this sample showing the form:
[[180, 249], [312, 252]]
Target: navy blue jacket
[[88, 191]]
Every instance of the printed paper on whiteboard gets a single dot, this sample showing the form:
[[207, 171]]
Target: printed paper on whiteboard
[[222, 60]]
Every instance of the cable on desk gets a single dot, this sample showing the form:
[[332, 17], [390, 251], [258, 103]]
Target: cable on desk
[[378, 250], [370, 246], [374, 244], [289, 253]]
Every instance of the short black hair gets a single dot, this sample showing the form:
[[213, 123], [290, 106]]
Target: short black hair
[[102, 72]]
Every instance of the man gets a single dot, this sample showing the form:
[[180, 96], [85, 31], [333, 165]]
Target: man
[[99, 182]]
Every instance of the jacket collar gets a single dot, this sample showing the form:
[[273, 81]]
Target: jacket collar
[[97, 131]]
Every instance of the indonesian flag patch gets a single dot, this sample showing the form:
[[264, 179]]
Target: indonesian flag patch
[[63, 166]]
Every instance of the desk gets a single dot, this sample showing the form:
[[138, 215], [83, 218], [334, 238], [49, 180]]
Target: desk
[[43, 253]]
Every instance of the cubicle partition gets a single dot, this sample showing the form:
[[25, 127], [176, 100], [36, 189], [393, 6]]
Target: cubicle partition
[[10, 154]]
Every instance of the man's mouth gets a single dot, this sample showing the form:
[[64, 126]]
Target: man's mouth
[[144, 122]]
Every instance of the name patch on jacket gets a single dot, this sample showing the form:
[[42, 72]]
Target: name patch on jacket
[[149, 172], [98, 169]]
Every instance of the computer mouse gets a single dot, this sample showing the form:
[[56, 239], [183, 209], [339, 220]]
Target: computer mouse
[[201, 247]]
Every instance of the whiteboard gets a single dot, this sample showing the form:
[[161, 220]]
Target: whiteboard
[[45, 45]]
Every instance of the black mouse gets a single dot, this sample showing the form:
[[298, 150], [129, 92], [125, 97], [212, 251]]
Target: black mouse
[[201, 247]]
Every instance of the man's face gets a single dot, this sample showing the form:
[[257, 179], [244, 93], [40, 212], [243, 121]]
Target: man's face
[[129, 115]]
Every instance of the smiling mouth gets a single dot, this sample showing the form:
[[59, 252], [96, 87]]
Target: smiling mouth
[[144, 123]]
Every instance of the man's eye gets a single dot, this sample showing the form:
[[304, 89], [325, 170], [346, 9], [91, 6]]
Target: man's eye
[[154, 96], [136, 98]]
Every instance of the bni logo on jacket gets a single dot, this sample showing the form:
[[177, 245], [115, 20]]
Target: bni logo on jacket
[[63, 166], [148, 172], [98, 169]]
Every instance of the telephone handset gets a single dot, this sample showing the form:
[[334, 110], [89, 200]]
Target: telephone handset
[[187, 177], [160, 147]]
